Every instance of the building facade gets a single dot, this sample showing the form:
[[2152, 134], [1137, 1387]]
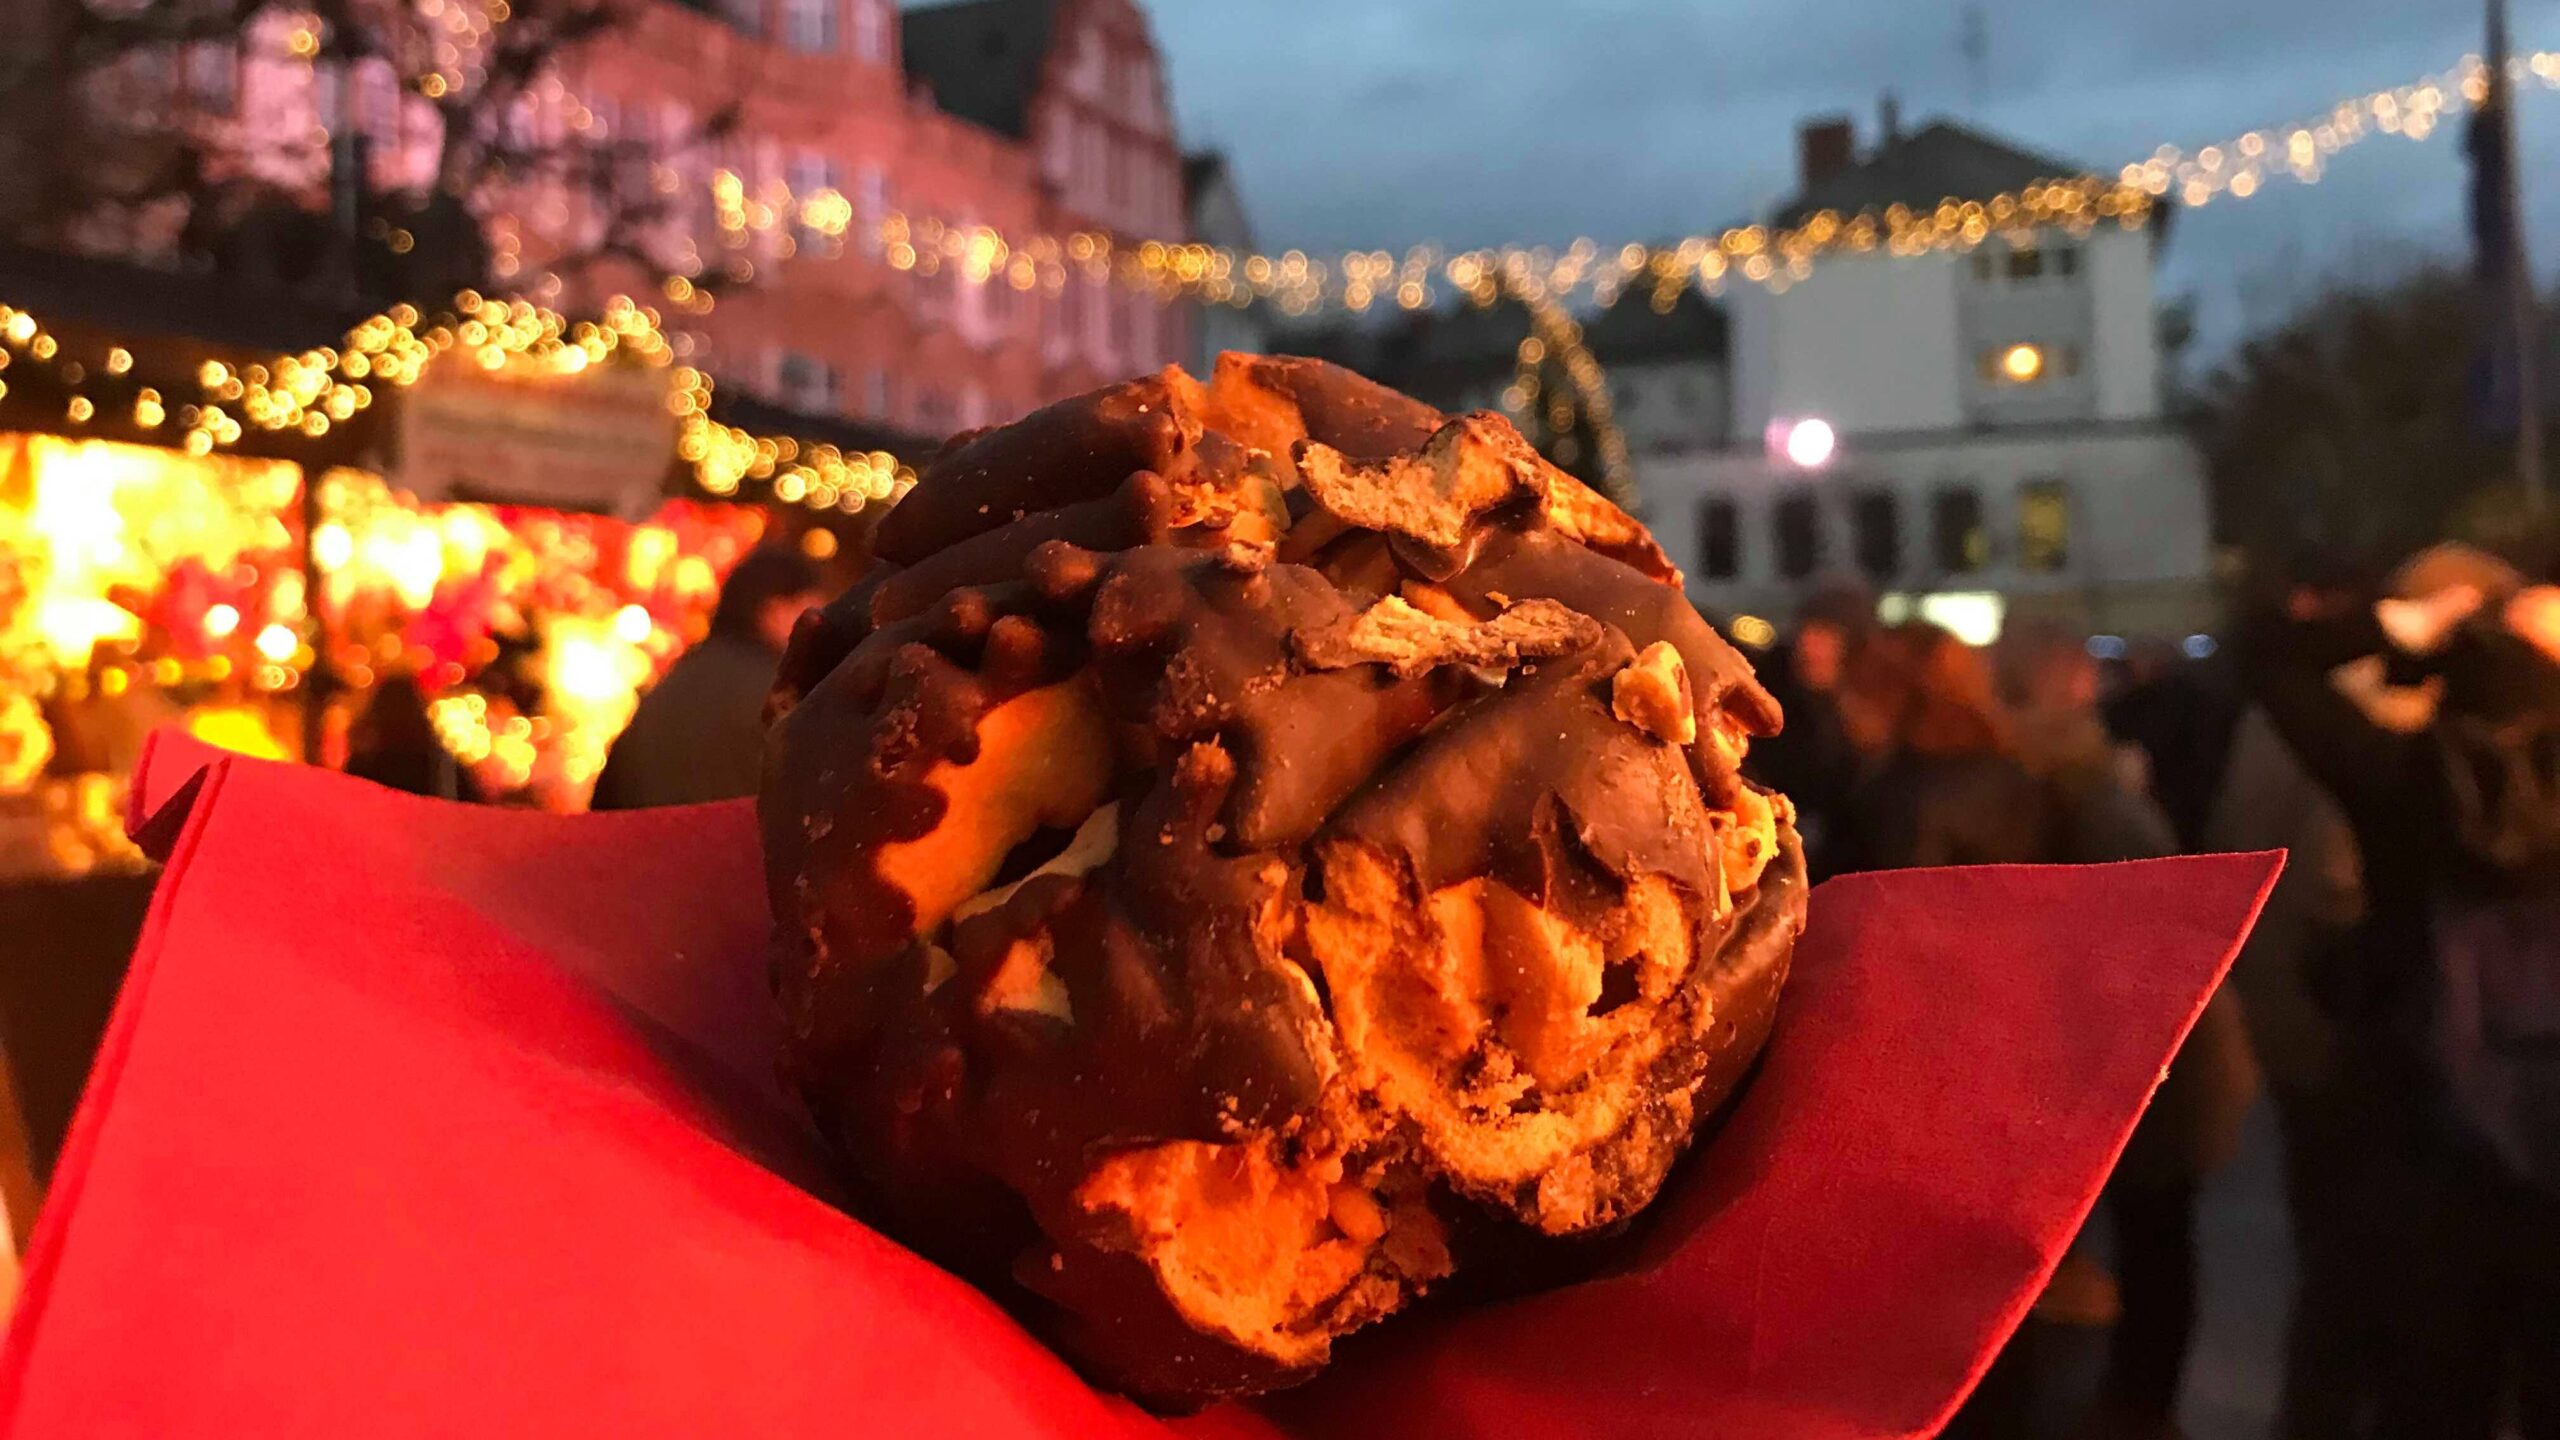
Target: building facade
[[1032, 117], [1995, 444], [1027, 116]]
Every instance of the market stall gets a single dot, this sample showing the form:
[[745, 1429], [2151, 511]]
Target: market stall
[[526, 517]]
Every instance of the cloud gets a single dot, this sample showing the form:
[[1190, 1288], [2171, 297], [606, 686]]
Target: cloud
[[1371, 123]]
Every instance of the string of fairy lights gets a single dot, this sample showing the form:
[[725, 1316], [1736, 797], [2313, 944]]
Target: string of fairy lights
[[309, 392], [1359, 279], [2237, 168], [1547, 281]]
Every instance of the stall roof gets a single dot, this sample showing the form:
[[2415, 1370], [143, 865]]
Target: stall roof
[[139, 300]]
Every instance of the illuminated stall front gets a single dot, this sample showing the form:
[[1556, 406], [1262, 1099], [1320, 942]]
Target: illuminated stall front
[[525, 516]]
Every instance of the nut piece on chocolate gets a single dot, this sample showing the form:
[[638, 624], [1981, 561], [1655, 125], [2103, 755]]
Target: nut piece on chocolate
[[1254, 845]]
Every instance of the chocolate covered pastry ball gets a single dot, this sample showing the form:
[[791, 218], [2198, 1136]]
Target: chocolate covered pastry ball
[[1253, 847]]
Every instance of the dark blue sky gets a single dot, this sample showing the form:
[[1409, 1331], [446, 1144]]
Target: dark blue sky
[[1385, 122]]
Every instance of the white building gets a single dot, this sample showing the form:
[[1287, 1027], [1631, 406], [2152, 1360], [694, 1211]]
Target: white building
[[2000, 444]]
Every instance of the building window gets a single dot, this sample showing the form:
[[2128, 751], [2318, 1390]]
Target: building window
[[1875, 533], [1096, 326], [213, 75], [875, 394], [2026, 263], [1798, 531], [933, 411], [1719, 539], [1959, 540], [2044, 526], [2022, 362], [2066, 261], [1984, 267], [1000, 304], [1119, 319], [871, 30], [809, 384], [809, 26], [811, 175], [870, 205]]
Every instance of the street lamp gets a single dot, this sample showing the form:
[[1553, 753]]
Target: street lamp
[[1806, 444]]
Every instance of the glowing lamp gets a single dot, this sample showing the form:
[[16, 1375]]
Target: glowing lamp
[[1805, 444], [278, 643], [2022, 363], [1972, 616]]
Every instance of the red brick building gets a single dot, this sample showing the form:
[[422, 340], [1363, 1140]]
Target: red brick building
[[1028, 116]]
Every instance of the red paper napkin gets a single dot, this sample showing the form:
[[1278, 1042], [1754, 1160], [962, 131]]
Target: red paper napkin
[[422, 1120]]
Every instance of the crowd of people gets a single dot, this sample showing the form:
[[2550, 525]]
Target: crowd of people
[[2399, 1002]]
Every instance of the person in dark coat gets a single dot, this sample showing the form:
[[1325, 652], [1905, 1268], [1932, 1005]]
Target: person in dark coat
[[2267, 800], [393, 742], [2434, 720], [2182, 715], [698, 735], [1811, 760], [2105, 813], [1941, 782]]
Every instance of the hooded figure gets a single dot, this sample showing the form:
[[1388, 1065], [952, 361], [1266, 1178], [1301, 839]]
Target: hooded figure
[[699, 735]]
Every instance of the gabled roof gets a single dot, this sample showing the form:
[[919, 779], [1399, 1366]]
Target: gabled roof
[[1201, 169], [1941, 160], [1458, 343], [981, 58], [1632, 330]]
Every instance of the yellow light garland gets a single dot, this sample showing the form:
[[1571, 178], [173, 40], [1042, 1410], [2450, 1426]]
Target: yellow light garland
[[306, 393], [1297, 282]]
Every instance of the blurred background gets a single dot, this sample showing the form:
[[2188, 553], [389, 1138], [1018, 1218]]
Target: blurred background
[[470, 394]]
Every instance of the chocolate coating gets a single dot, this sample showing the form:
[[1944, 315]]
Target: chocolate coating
[[1250, 848]]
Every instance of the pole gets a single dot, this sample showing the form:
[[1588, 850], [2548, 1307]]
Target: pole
[[346, 166], [2521, 305], [316, 682]]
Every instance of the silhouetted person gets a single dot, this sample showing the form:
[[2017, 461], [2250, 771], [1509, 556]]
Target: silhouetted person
[[394, 743], [1942, 783], [2434, 719], [2183, 721], [1811, 760], [2192, 1127], [2267, 800], [699, 735]]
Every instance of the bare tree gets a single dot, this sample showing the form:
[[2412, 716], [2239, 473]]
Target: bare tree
[[2356, 425], [410, 137]]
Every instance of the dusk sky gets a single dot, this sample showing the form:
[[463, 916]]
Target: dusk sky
[[1367, 123]]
